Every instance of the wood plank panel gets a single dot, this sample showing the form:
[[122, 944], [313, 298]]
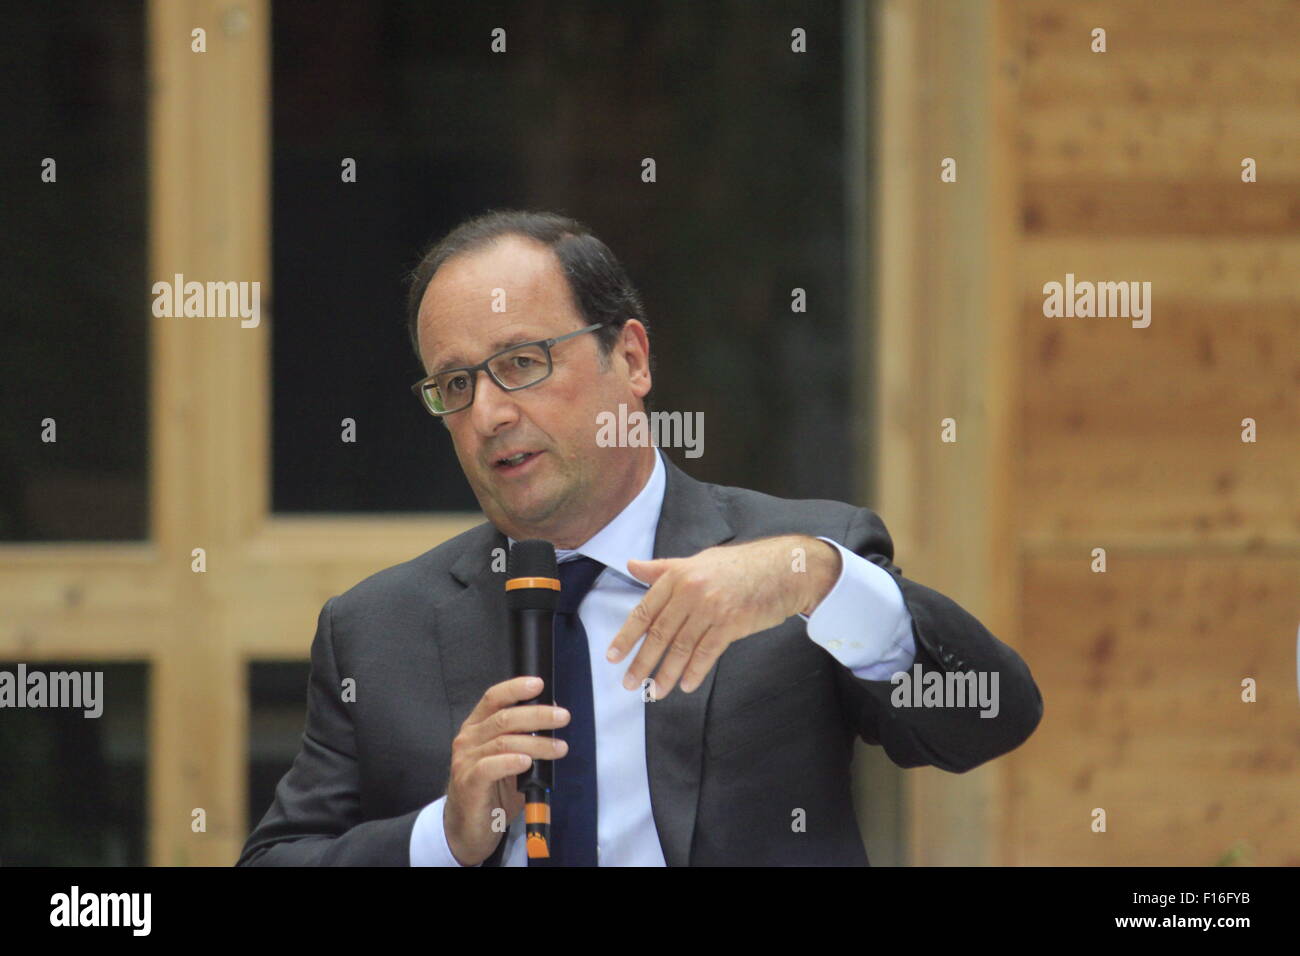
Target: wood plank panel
[[1259, 272], [945, 278], [1131, 437], [47, 584], [86, 634], [1062, 73], [209, 151], [1159, 208], [1098, 140], [1134, 435], [1225, 30], [1141, 671]]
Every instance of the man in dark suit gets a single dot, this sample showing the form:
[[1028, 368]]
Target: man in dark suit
[[764, 632]]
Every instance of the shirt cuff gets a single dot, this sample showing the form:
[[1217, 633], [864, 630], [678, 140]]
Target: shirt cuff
[[429, 839], [863, 622]]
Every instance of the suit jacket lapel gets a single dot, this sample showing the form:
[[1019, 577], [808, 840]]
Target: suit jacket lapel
[[473, 626], [689, 522], [473, 633]]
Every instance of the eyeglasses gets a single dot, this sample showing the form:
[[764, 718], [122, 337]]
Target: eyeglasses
[[519, 366]]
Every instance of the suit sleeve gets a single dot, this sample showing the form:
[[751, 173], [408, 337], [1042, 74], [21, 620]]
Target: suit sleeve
[[315, 818], [947, 639]]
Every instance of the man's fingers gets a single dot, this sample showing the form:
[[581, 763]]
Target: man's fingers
[[640, 618], [521, 719], [660, 638], [494, 746], [491, 769], [675, 662], [648, 572], [707, 651], [539, 748], [504, 694]]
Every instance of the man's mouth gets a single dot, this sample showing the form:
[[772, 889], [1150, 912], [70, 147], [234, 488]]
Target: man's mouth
[[514, 461]]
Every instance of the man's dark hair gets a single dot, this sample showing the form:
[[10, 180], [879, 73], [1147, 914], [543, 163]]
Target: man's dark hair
[[601, 289]]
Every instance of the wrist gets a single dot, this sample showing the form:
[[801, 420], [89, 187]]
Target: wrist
[[448, 833], [822, 571]]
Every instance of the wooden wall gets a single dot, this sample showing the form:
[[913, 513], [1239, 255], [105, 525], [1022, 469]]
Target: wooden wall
[[1129, 168], [1084, 433]]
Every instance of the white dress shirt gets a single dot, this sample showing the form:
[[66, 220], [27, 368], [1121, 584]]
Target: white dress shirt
[[862, 622]]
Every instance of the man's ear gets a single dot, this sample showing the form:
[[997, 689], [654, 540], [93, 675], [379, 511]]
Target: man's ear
[[634, 348]]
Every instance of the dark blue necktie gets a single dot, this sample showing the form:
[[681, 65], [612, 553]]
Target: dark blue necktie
[[573, 797]]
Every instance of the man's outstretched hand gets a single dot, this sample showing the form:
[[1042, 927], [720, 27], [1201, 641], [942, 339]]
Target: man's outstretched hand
[[697, 606]]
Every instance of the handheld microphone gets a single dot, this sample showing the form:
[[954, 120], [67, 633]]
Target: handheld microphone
[[532, 587]]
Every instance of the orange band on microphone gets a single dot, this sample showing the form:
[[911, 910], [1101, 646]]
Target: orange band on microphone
[[514, 584], [537, 848], [537, 813]]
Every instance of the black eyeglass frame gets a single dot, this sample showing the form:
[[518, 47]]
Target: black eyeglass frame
[[546, 344]]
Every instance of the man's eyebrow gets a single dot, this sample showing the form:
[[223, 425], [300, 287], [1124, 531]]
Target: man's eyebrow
[[519, 338]]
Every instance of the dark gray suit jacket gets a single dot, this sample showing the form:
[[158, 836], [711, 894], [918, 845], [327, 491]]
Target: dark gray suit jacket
[[769, 730]]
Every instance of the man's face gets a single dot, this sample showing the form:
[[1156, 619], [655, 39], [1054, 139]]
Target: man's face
[[570, 487]]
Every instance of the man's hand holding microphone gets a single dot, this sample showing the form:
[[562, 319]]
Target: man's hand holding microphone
[[494, 746]]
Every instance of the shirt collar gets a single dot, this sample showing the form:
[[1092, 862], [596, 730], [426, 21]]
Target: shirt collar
[[631, 534]]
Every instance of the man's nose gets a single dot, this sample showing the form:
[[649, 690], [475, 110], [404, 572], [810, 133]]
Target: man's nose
[[493, 406]]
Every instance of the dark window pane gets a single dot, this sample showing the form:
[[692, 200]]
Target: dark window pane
[[277, 696], [73, 252], [73, 791], [749, 204]]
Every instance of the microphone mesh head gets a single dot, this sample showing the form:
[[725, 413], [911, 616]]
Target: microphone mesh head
[[534, 558]]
